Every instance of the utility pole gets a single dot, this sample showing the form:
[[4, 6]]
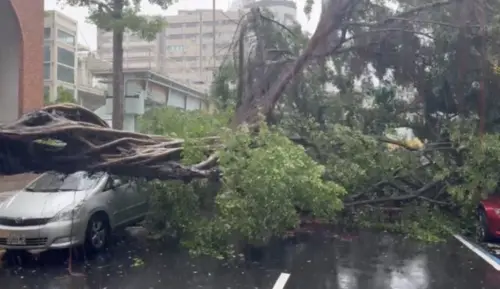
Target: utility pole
[[214, 54], [118, 86]]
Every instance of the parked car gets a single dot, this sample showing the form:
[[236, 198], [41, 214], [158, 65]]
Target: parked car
[[58, 211], [488, 219]]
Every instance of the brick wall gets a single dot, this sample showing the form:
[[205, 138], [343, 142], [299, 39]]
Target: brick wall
[[30, 14]]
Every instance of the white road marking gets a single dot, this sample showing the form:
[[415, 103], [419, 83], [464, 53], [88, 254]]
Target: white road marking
[[282, 279], [478, 252]]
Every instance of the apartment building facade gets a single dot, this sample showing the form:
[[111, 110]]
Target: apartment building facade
[[60, 54], [193, 52], [138, 53], [183, 51]]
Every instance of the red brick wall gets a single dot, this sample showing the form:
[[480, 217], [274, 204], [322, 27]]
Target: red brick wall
[[30, 14]]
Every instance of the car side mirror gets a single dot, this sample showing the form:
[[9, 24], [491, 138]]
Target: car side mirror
[[116, 183]]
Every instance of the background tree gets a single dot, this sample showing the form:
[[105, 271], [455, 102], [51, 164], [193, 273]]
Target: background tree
[[121, 16], [64, 95]]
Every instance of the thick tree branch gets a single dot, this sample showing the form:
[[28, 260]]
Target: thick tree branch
[[409, 197], [69, 138], [337, 11]]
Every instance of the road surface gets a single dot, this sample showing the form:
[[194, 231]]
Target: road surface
[[360, 261]]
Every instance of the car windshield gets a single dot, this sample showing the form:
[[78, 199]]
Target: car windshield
[[58, 182]]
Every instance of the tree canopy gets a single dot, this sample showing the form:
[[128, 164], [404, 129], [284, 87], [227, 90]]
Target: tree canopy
[[119, 17]]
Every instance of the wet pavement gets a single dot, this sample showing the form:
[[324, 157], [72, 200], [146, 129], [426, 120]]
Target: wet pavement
[[359, 261]]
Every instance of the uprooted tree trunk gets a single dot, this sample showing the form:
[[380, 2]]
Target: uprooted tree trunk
[[330, 38], [69, 138]]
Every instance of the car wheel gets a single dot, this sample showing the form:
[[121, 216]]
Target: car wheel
[[97, 234], [482, 232]]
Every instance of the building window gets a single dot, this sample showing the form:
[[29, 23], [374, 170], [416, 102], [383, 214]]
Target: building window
[[65, 57], [46, 33], [46, 53], [174, 25], [175, 36], [208, 35], [175, 48], [65, 74], [46, 71], [65, 37], [191, 24], [191, 36]]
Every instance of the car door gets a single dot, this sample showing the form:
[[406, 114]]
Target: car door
[[128, 199], [119, 199], [139, 201]]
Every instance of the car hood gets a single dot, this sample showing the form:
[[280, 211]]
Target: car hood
[[39, 204]]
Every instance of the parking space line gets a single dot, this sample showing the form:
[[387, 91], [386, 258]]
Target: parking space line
[[490, 259], [282, 279]]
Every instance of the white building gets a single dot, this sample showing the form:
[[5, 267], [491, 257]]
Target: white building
[[60, 46], [145, 89], [138, 53], [76, 68], [190, 55], [64, 62], [183, 50]]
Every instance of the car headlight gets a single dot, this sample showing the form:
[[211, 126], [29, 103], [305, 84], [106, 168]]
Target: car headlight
[[67, 214], [497, 211]]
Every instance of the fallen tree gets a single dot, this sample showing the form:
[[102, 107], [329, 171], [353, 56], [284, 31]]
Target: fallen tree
[[69, 138], [82, 141], [344, 161]]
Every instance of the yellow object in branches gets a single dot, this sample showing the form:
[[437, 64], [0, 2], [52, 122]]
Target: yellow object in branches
[[414, 143], [496, 69]]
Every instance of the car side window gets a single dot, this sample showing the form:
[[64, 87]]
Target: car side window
[[110, 182]]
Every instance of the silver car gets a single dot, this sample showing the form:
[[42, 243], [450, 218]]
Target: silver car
[[58, 211]]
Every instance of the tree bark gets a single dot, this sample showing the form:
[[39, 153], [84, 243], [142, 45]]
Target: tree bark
[[265, 102], [118, 89], [241, 63]]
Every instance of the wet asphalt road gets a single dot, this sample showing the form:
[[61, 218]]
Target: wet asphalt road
[[359, 261]]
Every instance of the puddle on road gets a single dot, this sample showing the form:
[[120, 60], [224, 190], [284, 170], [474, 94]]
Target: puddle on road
[[337, 261]]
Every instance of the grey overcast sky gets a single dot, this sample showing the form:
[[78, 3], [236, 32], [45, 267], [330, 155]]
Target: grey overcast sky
[[87, 32]]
